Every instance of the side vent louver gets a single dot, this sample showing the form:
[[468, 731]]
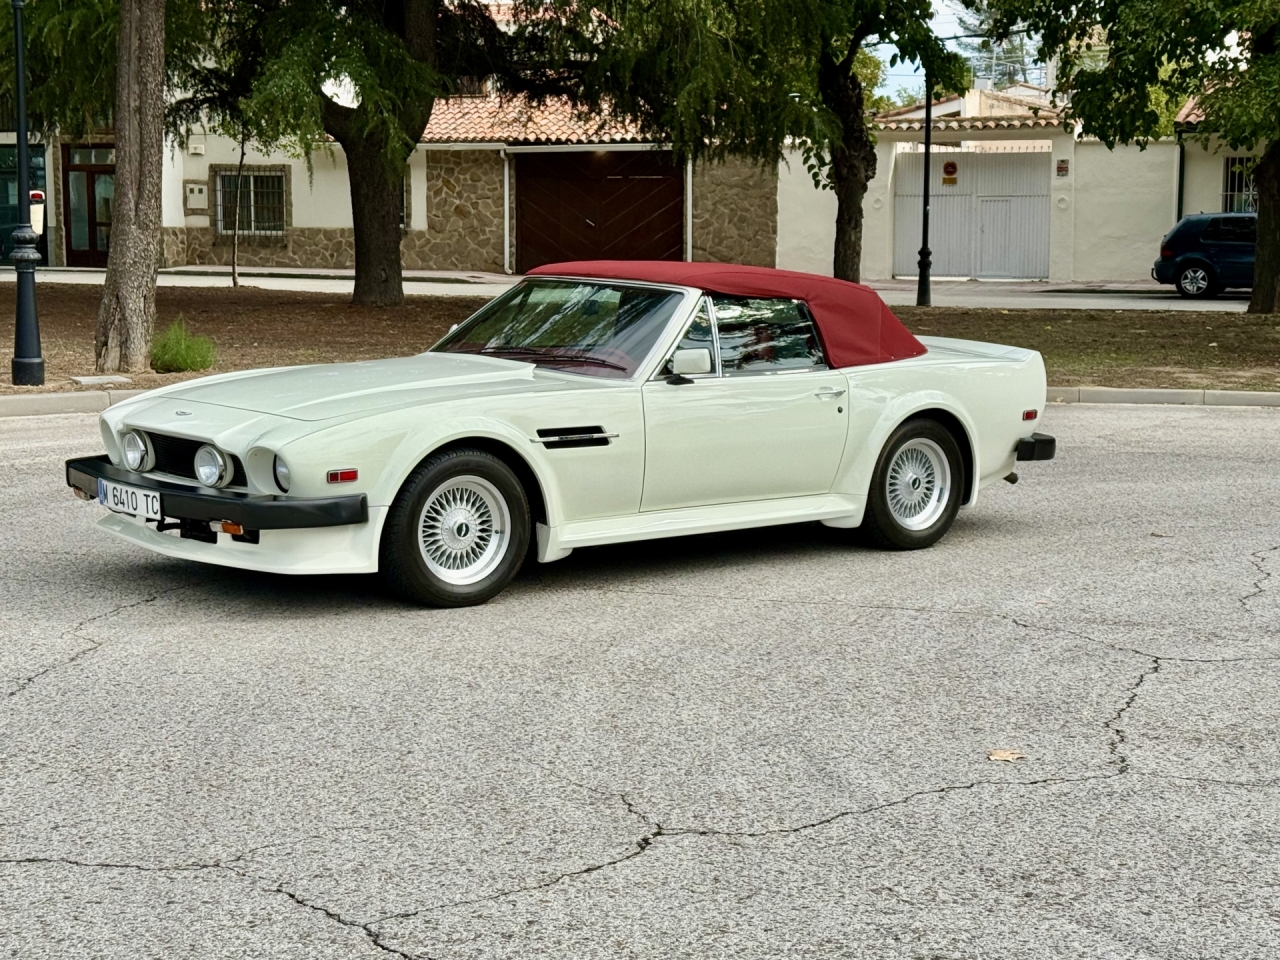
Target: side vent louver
[[558, 438]]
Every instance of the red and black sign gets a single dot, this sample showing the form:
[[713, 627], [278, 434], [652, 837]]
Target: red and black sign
[[950, 168]]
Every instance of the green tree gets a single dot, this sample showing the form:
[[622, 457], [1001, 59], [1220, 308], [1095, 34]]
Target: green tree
[[394, 58], [105, 64], [1006, 61], [1122, 63], [716, 78]]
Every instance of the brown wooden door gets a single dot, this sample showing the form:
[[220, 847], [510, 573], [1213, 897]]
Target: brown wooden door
[[88, 199], [600, 205]]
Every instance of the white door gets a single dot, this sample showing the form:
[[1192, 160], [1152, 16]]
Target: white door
[[995, 238], [962, 183], [769, 421]]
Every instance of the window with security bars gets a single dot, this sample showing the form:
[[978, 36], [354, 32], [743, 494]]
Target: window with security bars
[[261, 204], [1239, 191]]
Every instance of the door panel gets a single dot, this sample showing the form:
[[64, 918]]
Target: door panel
[[724, 440], [995, 253]]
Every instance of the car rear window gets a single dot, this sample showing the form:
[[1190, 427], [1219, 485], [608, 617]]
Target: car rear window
[[1232, 229]]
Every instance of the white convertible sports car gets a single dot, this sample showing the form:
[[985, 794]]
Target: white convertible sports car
[[593, 403]]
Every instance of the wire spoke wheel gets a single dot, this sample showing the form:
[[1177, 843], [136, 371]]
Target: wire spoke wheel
[[464, 530], [918, 484]]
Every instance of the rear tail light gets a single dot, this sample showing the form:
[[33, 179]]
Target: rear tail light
[[343, 476], [1029, 414], [1166, 252]]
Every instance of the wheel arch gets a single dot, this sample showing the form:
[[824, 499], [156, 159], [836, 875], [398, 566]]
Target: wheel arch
[[954, 426], [503, 451]]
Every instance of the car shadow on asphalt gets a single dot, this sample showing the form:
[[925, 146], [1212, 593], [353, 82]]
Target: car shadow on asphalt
[[591, 568]]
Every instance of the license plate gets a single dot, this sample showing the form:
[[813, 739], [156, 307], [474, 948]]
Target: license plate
[[132, 500]]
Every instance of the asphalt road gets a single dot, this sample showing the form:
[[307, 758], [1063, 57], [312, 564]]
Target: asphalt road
[[753, 746]]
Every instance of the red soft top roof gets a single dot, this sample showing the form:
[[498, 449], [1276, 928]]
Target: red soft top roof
[[856, 325]]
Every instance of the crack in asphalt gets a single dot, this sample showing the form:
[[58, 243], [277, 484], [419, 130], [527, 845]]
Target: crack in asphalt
[[1256, 558], [23, 682], [373, 936], [1118, 738]]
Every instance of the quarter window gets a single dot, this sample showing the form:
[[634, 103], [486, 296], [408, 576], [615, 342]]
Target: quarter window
[[699, 336], [765, 336]]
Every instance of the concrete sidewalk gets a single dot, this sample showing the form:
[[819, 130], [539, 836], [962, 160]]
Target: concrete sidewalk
[[1000, 294]]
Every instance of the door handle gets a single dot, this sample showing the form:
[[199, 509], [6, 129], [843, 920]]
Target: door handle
[[829, 393]]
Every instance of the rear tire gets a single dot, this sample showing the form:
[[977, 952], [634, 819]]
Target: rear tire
[[1197, 282], [457, 532], [916, 488]]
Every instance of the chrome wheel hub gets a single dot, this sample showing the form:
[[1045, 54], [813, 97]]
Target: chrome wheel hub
[[1195, 280], [464, 530], [919, 484]]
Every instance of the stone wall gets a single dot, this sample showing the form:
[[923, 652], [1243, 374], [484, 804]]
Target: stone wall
[[735, 213], [464, 214]]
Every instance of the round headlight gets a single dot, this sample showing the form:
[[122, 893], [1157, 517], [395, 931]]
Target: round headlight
[[211, 466], [136, 453], [282, 474]]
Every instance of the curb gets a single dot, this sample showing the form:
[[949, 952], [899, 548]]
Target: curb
[[95, 401], [1144, 395], [79, 401]]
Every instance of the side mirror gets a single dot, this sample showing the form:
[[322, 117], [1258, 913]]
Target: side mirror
[[687, 362]]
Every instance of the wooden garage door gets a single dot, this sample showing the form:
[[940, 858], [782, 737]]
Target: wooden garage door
[[614, 205]]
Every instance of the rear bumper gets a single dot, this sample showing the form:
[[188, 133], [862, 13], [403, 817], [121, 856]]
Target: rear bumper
[[1038, 446], [1162, 271], [181, 502]]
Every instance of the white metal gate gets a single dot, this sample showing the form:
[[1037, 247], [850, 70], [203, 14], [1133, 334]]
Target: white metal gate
[[993, 221]]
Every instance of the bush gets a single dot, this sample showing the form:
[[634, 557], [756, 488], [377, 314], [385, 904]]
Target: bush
[[176, 350]]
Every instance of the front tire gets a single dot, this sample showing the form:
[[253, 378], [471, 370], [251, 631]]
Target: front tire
[[916, 488], [1197, 282], [457, 532]]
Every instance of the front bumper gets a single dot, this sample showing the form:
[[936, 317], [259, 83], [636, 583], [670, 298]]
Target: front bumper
[[1038, 446], [182, 502]]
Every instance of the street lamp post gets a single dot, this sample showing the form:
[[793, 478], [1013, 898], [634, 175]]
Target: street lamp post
[[28, 364], [923, 294]]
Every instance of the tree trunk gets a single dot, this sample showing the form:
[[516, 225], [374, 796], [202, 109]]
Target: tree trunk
[[377, 195], [853, 160], [1266, 267], [235, 219], [127, 312]]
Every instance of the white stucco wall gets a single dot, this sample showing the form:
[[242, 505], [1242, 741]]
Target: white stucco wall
[[807, 219], [171, 186], [1203, 177], [1125, 200], [319, 199]]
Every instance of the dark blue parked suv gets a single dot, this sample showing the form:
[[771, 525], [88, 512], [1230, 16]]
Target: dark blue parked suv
[[1207, 252]]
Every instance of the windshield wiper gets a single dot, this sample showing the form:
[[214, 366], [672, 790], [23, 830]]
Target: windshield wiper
[[525, 353]]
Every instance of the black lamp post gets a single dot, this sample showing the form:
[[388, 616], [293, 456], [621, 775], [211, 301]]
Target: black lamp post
[[28, 364], [923, 294]]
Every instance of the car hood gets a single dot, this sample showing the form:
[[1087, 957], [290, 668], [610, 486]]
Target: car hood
[[337, 389]]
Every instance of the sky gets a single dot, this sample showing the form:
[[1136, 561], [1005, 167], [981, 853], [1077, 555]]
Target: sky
[[945, 24]]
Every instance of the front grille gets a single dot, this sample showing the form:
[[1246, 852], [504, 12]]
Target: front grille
[[176, 456]]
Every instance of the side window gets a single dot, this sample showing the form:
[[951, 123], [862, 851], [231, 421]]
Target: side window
[[700, 335], [1214, 230], [1242, 230], [765, 336]]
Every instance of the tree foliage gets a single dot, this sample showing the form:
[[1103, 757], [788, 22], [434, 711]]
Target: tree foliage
[[750, 78], [1125, 65]]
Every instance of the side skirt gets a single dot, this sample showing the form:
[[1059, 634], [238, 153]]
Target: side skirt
[[837, 510]]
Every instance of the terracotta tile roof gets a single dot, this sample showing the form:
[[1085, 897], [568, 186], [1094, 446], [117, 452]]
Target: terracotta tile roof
[[1026, 122], [1190, 113], [514, 120]]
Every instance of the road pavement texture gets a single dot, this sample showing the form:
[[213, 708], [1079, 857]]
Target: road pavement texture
[[758, 745]]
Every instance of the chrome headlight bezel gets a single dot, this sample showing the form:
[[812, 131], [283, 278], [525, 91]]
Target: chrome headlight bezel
[[280, 471], [134, 445], [212, 459]]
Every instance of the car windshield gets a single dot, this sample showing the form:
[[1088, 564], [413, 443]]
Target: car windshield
[[600, 329]]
